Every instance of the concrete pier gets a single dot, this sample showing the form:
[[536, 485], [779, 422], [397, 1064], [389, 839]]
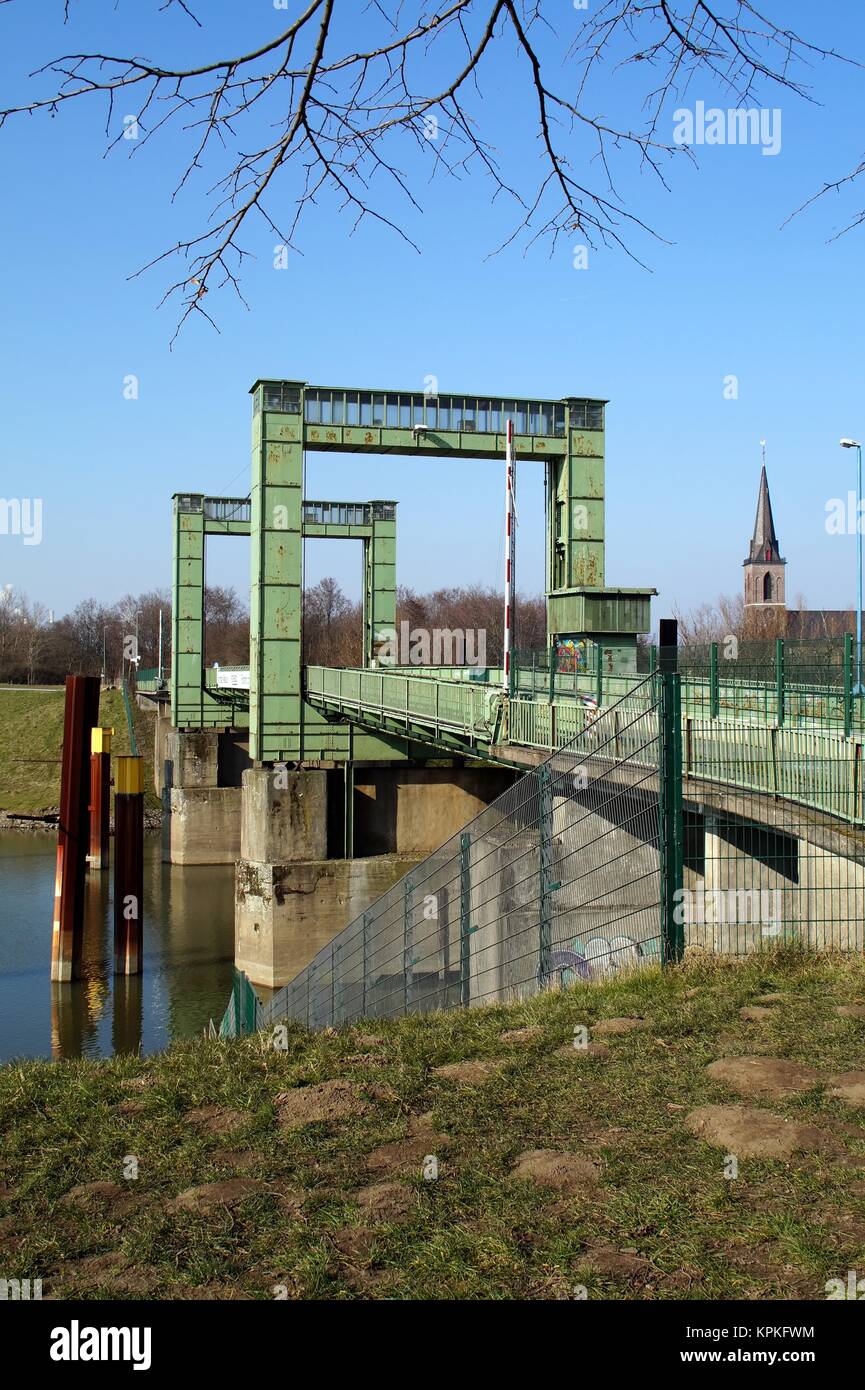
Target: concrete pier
[[201, 817], [284, 913], [413, 810]]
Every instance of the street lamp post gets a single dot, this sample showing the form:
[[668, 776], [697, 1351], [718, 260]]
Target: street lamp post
[[854, 444]]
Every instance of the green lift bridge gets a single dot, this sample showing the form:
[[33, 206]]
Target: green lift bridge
[[566, 437]]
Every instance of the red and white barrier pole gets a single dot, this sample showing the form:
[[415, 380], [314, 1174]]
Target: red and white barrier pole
[[510, 551]]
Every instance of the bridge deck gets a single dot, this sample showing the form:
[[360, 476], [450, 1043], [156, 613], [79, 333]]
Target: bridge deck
[[808, 760]]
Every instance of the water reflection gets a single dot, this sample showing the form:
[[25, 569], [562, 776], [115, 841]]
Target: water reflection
[[188, 948], [188, 954]]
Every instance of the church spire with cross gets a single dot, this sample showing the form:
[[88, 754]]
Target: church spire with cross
[[764, 567]]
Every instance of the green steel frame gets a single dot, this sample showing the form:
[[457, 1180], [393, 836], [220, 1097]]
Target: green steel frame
[[291, 417], [196, 705]]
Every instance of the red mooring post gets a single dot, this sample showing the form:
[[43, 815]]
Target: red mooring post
[[100, 793], [80, 715], [128, 865]]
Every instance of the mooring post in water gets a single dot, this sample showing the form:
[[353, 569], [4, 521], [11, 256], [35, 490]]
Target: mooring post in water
[[128, 865], [100, 791], [80, 715]]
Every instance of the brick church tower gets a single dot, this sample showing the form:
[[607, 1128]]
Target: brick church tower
[[764, 567]]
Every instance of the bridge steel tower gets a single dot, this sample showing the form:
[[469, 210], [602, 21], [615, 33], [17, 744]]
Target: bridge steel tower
[[291, 416]]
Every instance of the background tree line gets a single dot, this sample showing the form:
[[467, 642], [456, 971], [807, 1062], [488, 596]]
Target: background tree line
[[37, 648]]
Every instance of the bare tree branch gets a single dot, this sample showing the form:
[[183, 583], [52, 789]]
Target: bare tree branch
[[304, 111]]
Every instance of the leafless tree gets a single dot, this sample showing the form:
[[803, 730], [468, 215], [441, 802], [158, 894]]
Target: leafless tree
[[278, 126], [711, 622]]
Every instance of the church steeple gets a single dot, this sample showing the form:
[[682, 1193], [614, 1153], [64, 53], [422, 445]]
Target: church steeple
[[764, 567]]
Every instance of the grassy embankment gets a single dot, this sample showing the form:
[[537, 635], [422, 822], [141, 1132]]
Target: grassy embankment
[[31, 742], [261, 1170]]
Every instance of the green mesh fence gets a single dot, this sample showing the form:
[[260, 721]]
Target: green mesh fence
[[558, 879], [717, 809]]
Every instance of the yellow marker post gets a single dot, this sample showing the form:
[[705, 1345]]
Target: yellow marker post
[[128, 865]]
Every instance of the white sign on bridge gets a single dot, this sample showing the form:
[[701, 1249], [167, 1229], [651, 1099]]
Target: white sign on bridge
[[228, 679]]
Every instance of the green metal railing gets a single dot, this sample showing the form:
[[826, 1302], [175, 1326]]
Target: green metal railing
[[810, 761], [148, 680], [782, 682], [401, 703]]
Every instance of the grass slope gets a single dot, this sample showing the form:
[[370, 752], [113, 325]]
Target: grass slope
[[325, 1209], [31, 744]]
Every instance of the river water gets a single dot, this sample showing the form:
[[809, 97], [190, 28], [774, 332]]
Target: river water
[[188, 948], [188, 953]]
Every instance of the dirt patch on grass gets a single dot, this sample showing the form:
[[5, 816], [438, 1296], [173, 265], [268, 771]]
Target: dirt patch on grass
[[611, 1027], [773, 1077], [386, 1201], [212, 1293], [217, 1194], [325, 1101], [775, 998], [112, 1270], [851, 1011], [521, 1035], [139, 1083], [238, 1158], [752, 1013], [131, 1107], [849, 1087], [619, 1264], [215, 1119], [354, 1242], [577, 1054], [848, 1225], [471, 1073], [564, 1172], [751, 1133], [421, 1124], [109, 1197], [406, 1153]]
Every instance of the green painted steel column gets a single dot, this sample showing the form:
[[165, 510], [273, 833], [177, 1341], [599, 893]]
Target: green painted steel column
[[599, 674], [779, 681], [545, 870], [714, 691], [465, 917], [848, 684], [275, 654], [580, 492], [670, 830], [379, 601], [187, 612]]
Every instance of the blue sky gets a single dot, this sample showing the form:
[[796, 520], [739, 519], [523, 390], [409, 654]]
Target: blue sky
[[731, 293]]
